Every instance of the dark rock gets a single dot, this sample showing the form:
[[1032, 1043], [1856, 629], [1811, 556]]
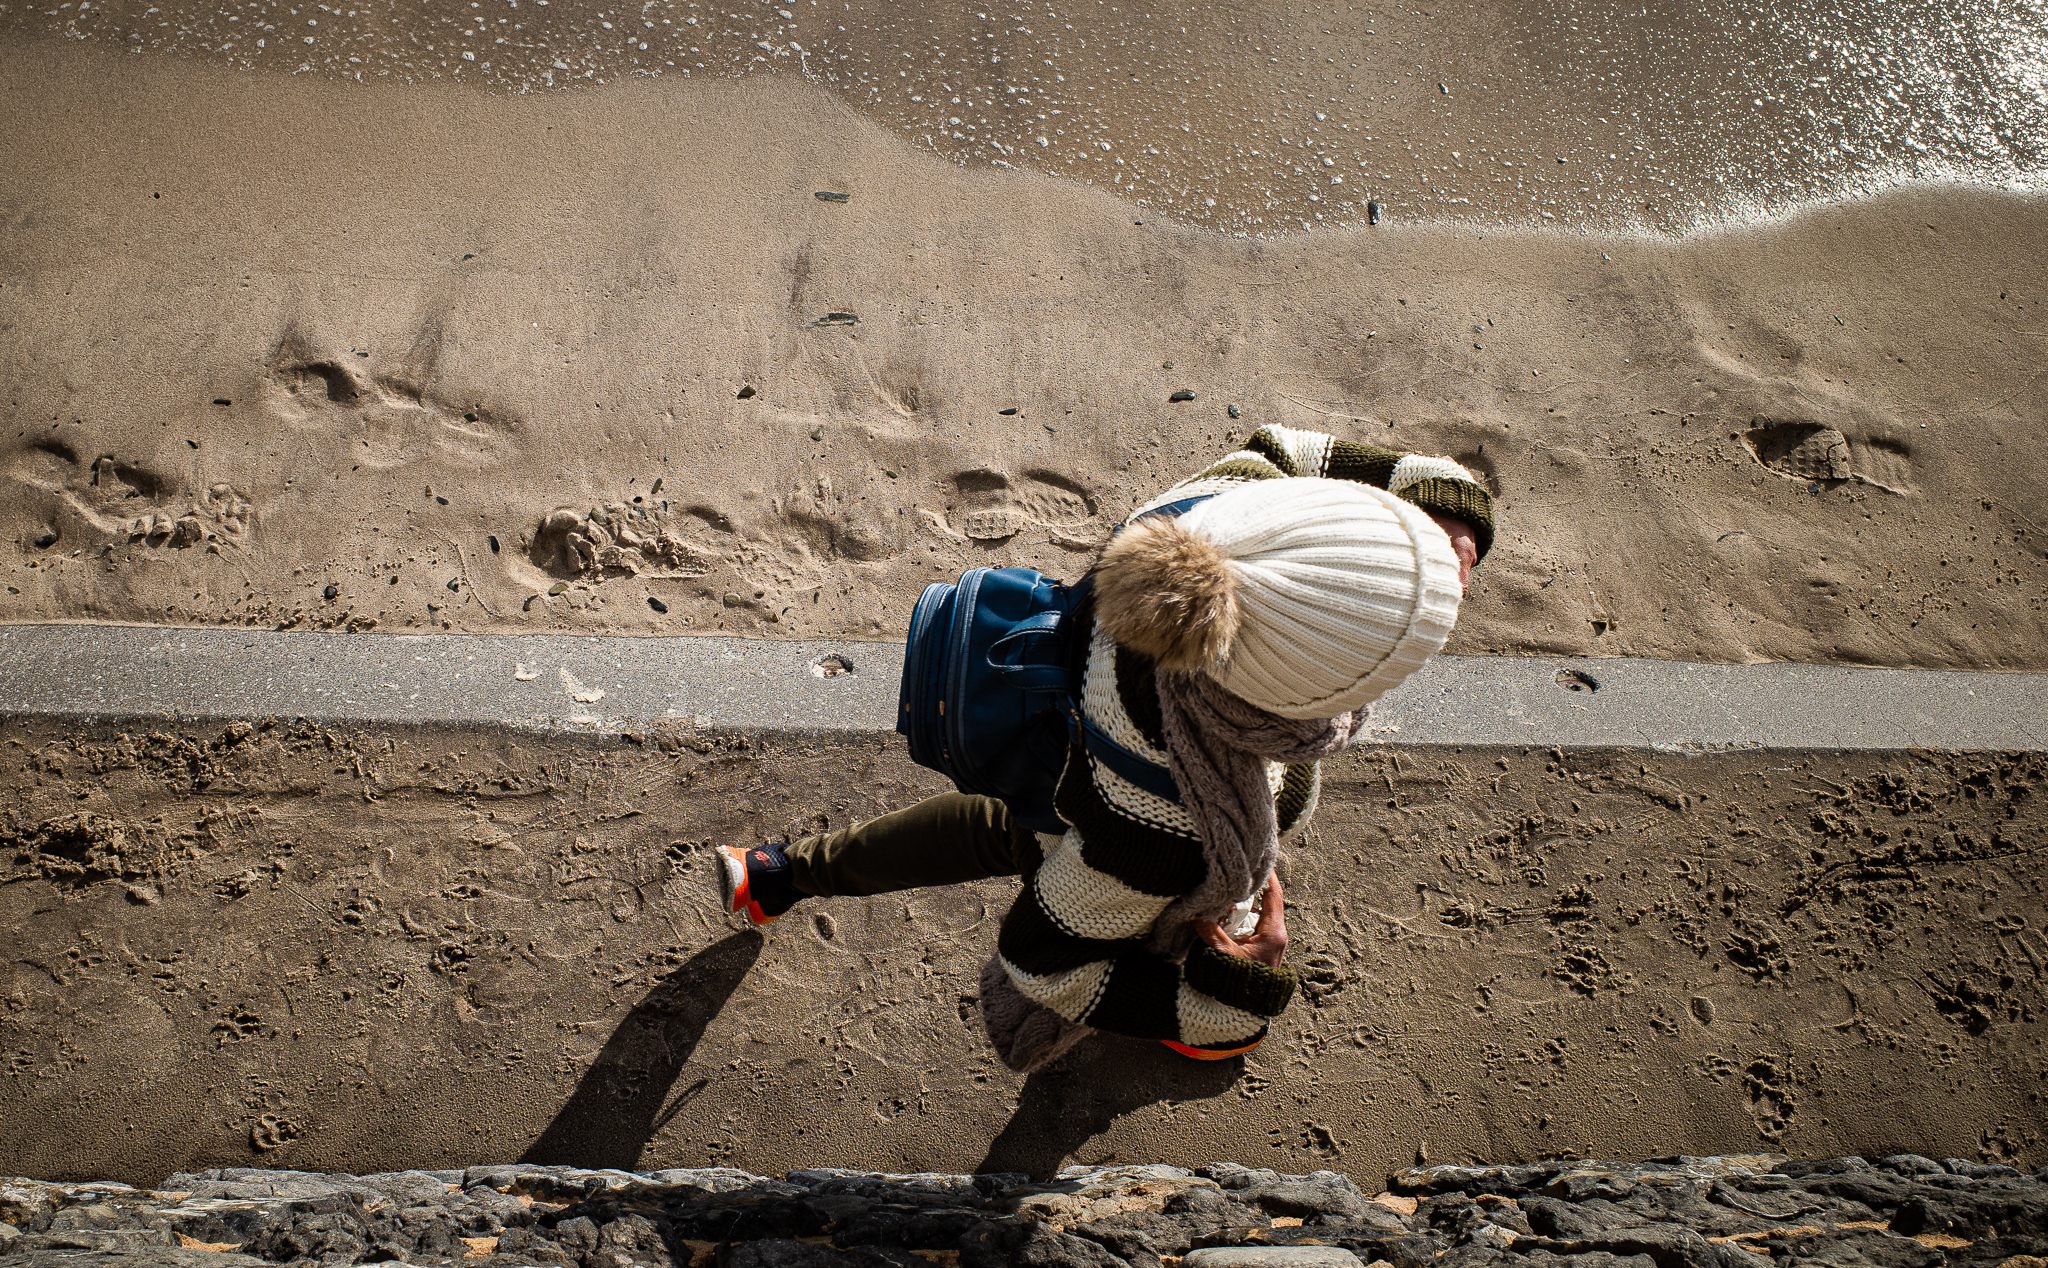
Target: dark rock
[[1667, 1246], [1999, 1252], [1877, 1190], [1318, 1193], [577, 1233], [635, 1239], [1978, 1170], [739, 1216], [1910, 1165], [96, 1239], [1551, 1217], [1127, 1244], [1472, 1181], [1030, 1244], [1580, 1186], [908, 1228], [1271, 1257], [342, 1236], [917, 1190], [2007, 1212], [1412, 1252], [777, 1252], [153, 1257], [1211, 1203], [1176, 1233], [1807, 1243], [716, 1180], [1825, 1166], [1047, 1249]]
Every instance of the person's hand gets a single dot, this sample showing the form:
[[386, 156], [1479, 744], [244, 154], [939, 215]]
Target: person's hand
[[1268, 943], [1463, 540]]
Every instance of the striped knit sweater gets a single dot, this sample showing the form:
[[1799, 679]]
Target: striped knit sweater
[[1073, 941]]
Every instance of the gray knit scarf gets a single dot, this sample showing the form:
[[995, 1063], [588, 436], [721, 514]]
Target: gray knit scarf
[[1217, 747]]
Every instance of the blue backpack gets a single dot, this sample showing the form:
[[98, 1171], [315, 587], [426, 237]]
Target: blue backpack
[[988, 699]]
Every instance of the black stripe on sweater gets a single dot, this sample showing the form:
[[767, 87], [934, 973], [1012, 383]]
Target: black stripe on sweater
[[1138, 691], [1034, 943], [1141, 999], [1149, 859]]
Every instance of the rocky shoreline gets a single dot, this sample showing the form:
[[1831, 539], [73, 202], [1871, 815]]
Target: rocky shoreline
[[1737, 1211]]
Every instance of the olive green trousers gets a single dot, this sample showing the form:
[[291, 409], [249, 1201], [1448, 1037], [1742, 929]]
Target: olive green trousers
[[943, 840]]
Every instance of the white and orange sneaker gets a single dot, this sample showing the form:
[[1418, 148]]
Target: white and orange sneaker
[[754, 885]]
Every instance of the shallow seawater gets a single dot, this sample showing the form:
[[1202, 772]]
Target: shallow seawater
[[1268, 117]]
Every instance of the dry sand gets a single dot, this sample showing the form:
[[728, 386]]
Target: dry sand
[[439, 354]]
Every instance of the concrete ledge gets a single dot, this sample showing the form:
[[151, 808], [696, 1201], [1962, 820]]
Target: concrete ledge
[[557, 683]]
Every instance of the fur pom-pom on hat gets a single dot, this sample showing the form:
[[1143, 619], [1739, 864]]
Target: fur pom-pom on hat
[[1304, 596], [1167, 591]]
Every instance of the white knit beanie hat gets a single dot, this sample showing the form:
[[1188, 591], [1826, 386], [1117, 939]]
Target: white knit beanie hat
[[1306, 597]]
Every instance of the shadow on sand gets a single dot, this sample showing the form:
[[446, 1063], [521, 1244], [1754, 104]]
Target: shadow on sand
[[624, 1098], [1079, 1096]]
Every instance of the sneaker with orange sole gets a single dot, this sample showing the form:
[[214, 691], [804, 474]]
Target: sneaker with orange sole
[[754, 884]]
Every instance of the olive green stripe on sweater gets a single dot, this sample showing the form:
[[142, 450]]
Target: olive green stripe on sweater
[[1362, 463], [1257, 988], [1238, 469], [1458, 499], [1297, 793], [1266, 446]]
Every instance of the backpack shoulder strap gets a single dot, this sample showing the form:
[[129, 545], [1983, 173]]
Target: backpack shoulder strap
[[1151, 777]]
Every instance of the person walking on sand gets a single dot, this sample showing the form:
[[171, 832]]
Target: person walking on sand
[[1235, 644]]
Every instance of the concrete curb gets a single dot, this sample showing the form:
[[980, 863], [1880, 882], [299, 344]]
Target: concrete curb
[[605, 685]]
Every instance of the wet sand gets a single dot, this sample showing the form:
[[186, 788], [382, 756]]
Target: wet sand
[[301, 354], [1263, 117], [376, 950]]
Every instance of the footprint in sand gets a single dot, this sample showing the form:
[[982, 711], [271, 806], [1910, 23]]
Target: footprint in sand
[[993, 507], [390, 417], [110, 499], [1800, 450], [1811, 452], [618, 540]]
